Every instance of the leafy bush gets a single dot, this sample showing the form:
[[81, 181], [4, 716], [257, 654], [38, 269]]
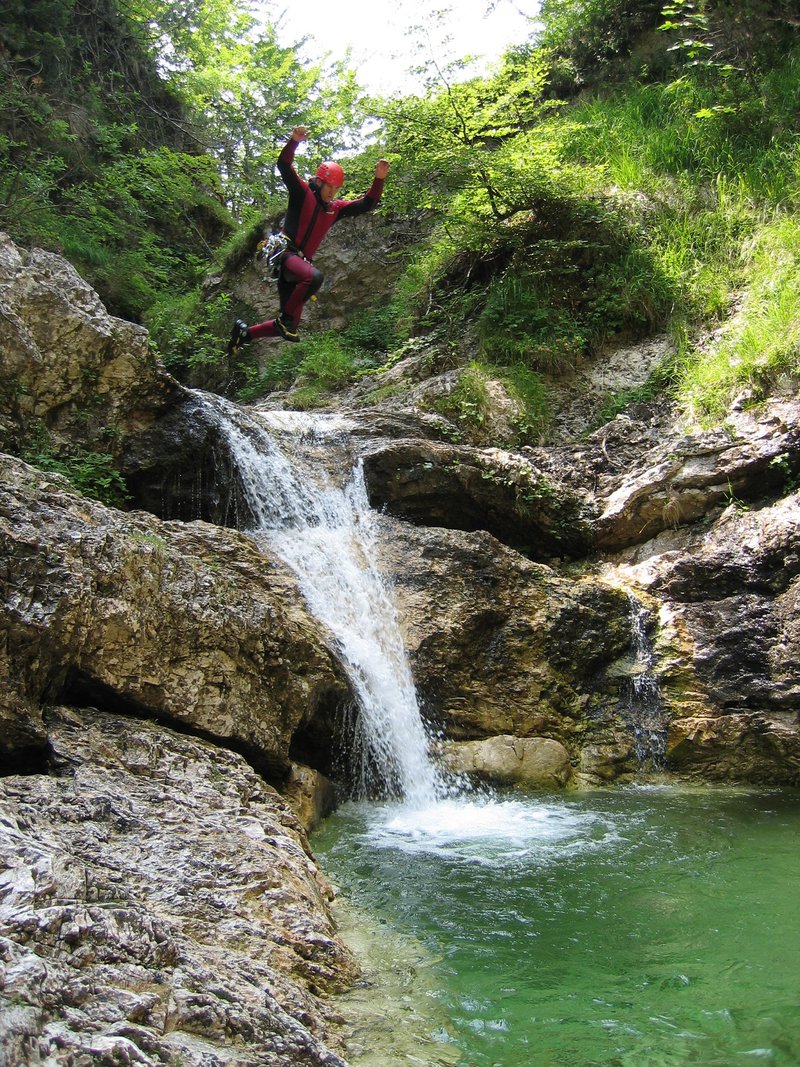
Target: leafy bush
[[373, 331], [326, 362], [187, 330], [91, 473], [528, 389], [592, 35], [468, 401], [279, 372]]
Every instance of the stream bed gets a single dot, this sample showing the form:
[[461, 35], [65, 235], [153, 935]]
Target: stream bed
[[636, 927]]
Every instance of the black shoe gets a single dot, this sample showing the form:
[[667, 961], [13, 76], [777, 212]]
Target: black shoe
[[286, 330], [240, 335]]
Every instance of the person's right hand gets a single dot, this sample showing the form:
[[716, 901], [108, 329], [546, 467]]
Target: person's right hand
[[299, 133]]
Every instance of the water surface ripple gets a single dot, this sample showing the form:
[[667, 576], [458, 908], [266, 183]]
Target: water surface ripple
[[639, 927]]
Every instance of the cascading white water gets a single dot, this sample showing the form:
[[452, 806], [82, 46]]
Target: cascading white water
[[646, 714], [326, 533]]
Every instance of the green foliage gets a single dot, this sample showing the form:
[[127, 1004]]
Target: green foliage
[[719, 172], [135, 138], [327, 362], [562, 231], [187, 329], [762, 341], [527, 242], [278, 373], [230, 69], [373, 332], [786, 466], [445, 140], [91, 473], [519, 324], [528, 389], [468, 401], [588, 37], [660, 382], [324, 362]]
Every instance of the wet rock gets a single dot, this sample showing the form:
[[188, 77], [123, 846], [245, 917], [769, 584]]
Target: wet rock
[[729, 595], [499, 644], [532, 762], [759, 748], [159, 905], [310, 794], [604, 764]]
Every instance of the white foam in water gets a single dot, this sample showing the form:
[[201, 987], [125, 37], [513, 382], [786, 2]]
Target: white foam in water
[[487, 829], [304, 422]]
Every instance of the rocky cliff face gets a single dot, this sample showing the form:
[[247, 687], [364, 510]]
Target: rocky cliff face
[[69, 368], [158, 900]]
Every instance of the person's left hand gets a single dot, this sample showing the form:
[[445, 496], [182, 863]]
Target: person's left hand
[[382, 168]]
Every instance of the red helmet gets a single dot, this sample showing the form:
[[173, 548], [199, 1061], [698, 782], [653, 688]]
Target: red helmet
[[331, 173]]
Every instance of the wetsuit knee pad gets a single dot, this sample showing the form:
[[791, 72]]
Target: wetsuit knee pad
[[317, 278]]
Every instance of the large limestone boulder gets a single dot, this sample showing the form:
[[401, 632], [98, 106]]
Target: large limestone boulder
[[65, 363], [685, 477], [186, 622], [530, 762], [464, 488], [752, 747], [159, 905]]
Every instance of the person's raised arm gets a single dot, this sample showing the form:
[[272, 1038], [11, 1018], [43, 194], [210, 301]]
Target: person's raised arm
[[286, 158]]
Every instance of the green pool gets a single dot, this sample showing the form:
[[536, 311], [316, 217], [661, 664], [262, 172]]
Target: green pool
[[638, 927]]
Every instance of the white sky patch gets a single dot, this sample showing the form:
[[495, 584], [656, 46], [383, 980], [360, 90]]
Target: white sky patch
[[384, 42]]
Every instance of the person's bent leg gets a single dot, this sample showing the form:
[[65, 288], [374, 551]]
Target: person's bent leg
[[306, 281], [262, 329]]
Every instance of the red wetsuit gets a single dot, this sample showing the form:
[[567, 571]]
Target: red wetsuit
[[307, 221]]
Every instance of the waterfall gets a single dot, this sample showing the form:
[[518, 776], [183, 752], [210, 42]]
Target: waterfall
[[326, 532], [644, 710]]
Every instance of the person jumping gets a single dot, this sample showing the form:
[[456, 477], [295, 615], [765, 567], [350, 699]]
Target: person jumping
[[313, 208]]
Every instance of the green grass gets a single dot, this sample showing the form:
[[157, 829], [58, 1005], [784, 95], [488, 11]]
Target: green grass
[[761, 343], [709, 175]]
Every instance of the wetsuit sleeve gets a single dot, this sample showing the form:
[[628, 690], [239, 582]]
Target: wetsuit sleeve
[[286, 167], [364, 203]]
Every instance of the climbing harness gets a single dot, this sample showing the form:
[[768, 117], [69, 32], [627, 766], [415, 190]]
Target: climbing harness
[[273, 249]]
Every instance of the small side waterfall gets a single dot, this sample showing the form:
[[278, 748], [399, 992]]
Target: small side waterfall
[[644, 709], [326, 533]]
